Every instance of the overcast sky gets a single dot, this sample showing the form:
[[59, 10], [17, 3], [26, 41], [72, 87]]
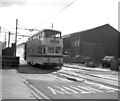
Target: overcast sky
[[68, 16]]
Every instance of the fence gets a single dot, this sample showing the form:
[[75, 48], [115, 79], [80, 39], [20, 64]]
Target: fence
[[10, 61]]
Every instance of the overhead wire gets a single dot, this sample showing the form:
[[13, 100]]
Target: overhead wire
[[35, 29], [59, 11]]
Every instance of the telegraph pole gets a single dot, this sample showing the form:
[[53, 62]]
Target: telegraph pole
[[9, 39], [5, 39], [0, 29], [16, 37], [52, 25]]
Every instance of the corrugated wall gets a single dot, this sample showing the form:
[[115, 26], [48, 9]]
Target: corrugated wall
[[106, 38], [97, 42], [97, 51]]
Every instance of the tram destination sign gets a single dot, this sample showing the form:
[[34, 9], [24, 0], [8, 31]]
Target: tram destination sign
[[54, 41]]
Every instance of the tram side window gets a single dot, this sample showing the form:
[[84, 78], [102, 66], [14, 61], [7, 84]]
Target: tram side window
[[44, 50], [58, 50], [39, 50], [50, 49], [29, 51]]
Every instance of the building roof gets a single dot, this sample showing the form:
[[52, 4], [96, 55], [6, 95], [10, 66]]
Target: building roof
[[80, 32]]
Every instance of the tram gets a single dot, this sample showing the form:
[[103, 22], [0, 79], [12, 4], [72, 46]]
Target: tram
[[45, 48]]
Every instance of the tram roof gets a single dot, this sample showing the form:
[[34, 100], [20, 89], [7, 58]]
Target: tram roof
[[47, 30], [44, 30]]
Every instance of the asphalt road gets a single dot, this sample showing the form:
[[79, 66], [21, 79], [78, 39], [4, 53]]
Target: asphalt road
[[48, 86], [72, 90]]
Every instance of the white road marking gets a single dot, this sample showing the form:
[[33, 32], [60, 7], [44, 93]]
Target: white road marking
[[78, 89], [54, 91], [35, 91], [102, 86]]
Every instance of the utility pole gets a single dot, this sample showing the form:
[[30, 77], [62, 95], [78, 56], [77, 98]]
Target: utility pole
[[52, 25], [9, 38], [16, 37], [0, 29], [5, 39]]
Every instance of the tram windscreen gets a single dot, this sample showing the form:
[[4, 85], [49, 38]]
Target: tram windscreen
[[50, 33]]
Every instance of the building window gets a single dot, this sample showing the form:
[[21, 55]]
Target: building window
[[76, 43]]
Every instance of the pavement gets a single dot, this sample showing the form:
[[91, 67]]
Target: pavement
[[13, 86]]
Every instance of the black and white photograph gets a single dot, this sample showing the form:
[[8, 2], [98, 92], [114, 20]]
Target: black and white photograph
[[59, 50]]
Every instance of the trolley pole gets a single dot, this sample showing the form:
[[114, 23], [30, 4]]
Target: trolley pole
[[16, 37]]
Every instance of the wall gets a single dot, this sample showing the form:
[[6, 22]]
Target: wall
[[96, 43], [97, 51], [66, 45], [0, 54], [103, 35], [9, 51], [0, 48], [20, 51]]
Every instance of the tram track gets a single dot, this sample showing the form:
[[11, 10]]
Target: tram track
[[82, 67], [81, 76], [98, 76]]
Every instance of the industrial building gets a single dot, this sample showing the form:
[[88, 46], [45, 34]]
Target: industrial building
[[95, 43]]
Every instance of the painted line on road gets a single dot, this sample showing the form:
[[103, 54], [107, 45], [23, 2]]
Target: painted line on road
[[34, 93], [37, 93]]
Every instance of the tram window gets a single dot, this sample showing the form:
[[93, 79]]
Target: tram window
[[50, 49], [39, 50], [44, 50], [58, 35], [58, 50]]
